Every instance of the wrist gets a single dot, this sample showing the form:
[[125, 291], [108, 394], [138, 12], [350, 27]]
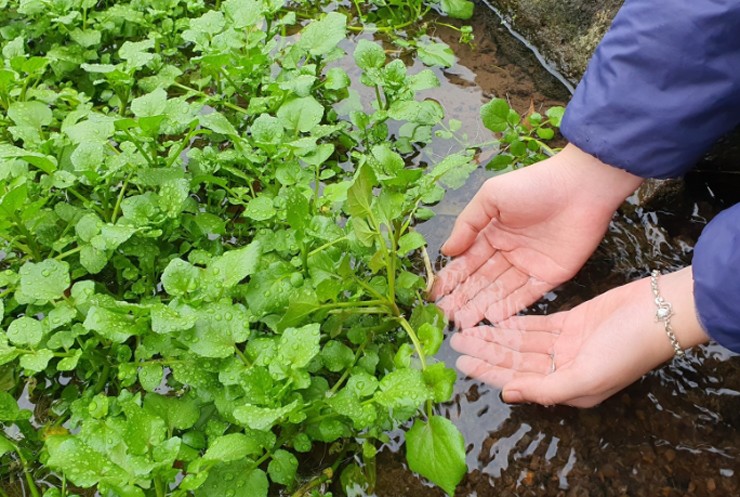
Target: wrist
[[678, 289], [594, 182]]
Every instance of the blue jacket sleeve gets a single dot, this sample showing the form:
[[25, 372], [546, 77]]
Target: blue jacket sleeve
[[662, 86], [716, 268]]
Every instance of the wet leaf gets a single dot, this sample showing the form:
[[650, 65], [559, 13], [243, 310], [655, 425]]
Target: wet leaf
[[46, 280], [322, 36], [436, 450], [282, 468], [25, 331]]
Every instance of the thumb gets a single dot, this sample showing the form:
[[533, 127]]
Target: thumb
[[474, 217], [560, 387]]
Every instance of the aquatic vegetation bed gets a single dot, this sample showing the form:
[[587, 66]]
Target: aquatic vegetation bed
[[209, 262]]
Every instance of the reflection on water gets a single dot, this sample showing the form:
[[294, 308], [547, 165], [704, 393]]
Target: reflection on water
[[675, 432]]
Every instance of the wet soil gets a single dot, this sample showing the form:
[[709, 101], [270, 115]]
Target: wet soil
[[676, 432]]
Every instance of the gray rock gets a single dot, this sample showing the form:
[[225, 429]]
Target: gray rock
[[566, 32]]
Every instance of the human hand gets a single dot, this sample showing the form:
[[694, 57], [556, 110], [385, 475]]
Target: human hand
[[525, 232], [582, 356]]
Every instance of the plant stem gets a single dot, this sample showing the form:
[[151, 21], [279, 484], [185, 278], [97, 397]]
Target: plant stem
[[327, 245], [68, 253], [119, 199], [414, 339]]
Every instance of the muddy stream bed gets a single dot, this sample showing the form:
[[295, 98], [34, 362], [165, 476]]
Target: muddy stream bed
[[676, 432]]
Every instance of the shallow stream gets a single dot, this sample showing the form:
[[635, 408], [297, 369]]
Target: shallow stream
[[674, 433]]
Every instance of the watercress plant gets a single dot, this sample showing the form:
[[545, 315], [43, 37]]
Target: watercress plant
[[210, 271]]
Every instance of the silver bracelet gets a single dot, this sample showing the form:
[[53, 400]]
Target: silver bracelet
[[664, 312]]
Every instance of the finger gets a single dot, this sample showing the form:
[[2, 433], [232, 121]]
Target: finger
[[480, 370], [496, 355], [469, 288], [564, 386], [475, 309], [476, 216], [540, 342], [519, 299], [461, 268]]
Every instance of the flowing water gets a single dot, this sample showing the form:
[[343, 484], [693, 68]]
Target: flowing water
[[676, 432]]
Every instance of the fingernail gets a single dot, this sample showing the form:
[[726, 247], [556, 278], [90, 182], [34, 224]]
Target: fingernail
[[512, 396], [443, 249]]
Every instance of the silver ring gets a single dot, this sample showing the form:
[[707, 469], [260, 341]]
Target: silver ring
[[552, 363]]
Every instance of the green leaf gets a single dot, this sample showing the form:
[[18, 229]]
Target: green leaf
[[282, 468], [180, 277], [431, 338], [7, 353], [46, 163], [301, 114], [168, 320], [37, 360], [402, 388], [556, 115], [322, 36], [425, 80], [150, 376], [297, 346], [9, 410], [235, 265], [441, 380], [115, 326], [47, 280], [234, 479], [369, 55], [494, 115], [88, 226], [243, 13], [79, 462], [70, 363], [5, 445], [215, 121], [459, 9], [436, 450], [267, 129], [260, 208], [31, 114], [454, 170], [88, 156], [232, 447], [172, 196], [297, 210], [360, 194], [151, 104], [136, 54], [436, 54], [112, 236], [336, 356], [92, 259], [178, 413], [262, 418], [219, 327], [25, 331], [337, 79], [410, 242]]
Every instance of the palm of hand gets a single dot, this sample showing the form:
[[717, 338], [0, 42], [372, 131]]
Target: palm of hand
[[523, 234], [578, 357]]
